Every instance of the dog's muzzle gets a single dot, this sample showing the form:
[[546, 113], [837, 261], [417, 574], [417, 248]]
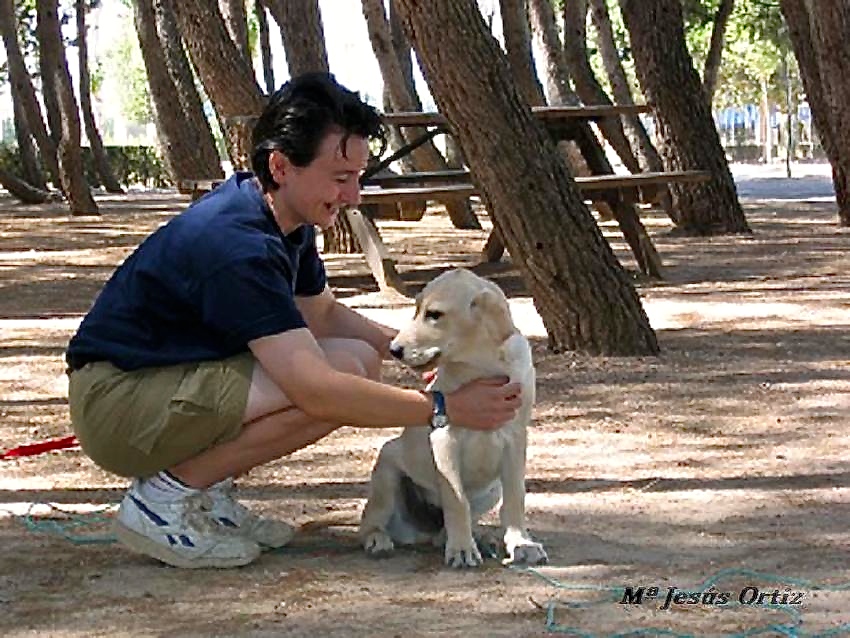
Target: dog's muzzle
[[414, 357]]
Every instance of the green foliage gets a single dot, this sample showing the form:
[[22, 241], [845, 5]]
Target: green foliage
[[124, 60]]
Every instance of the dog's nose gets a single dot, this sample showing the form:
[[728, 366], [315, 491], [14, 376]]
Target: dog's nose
[[397, 351]]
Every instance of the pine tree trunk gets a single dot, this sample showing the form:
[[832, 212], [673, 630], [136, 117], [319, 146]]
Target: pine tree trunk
[[185, 139], [426, 157], [236, 20], [265, 46], [300, 23], [586, 84], [583, 295], [715, 48], [22, 88], [812, 36], [101, 162], [30, 167], [53, 62], [685, 126], [227, 77], [647, 154], [21, 190]]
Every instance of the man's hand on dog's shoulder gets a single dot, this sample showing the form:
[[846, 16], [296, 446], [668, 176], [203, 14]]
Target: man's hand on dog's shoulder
[[484, 404]]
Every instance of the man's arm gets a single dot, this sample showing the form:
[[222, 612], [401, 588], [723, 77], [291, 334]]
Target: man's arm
[[327, 317]]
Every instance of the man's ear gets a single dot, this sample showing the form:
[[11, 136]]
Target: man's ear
[[491, 309], [279, 165]]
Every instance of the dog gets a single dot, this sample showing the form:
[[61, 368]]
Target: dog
[[434, 485]]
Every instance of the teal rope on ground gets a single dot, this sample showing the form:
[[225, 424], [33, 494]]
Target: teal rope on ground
[[792, 629]]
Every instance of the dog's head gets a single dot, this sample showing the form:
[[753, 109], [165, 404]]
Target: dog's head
[[459, 317]]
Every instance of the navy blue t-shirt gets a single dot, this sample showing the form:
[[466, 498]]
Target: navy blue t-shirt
[[202, 286]]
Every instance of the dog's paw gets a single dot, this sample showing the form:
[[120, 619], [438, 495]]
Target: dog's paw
[[526, 552], [378, 544], [463, 555]]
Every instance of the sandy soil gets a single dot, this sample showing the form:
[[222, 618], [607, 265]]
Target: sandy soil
[[727, 452]]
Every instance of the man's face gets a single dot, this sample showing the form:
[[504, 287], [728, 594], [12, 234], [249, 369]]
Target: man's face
[[315, 194]]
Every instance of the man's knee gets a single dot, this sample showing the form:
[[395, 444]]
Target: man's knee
[[353, 356]]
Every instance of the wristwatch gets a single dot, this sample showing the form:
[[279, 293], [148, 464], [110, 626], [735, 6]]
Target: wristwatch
[[438, 411]]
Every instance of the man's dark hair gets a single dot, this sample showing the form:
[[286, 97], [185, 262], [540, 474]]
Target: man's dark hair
[[301, 113]]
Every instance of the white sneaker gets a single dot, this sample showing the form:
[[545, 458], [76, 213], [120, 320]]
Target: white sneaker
[[232, 515], [180, 533]]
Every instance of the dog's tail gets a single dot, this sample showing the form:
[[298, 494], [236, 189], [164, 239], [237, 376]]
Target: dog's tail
[[425, 516]]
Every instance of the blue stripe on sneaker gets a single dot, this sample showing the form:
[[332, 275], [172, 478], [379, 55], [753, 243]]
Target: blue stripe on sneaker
[[171, 540], [226, 522], [176, 481], [187, 542], [144, 509]]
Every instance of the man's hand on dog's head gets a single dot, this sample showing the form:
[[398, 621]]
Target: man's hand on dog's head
[[484, 404]]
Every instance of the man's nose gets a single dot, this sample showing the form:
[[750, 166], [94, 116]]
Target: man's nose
[[350, 194]]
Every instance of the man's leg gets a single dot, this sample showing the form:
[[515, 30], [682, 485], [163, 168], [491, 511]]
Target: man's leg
[[273, 427]]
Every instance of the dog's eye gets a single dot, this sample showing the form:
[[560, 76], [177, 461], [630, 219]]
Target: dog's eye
[[433, 315]]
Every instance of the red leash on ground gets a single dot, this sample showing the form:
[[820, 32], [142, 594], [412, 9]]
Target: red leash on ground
[[31, 449]]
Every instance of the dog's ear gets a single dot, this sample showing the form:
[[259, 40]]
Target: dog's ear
[[491, 309]]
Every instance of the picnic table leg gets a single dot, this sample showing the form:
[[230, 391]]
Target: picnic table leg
[[381, 264]]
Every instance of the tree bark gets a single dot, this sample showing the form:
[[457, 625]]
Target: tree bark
[[647, 154], [685, 126], [300, 23], [236, 20], [715, 48], [185, 138], [101, 162], [227, 77], [30, 167], [583, 295], [586, 84], [265, 46], [21, 190], [22, 88], [53, 62], [426, 157], [819, 40]]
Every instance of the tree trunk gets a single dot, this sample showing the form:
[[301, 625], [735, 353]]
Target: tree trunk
[[21, 190], [715, 48], [426, 157], [819, 41], [185, 138], [22, 88], [300, 23], [236, 20], [227, 77], [583, 295], [586, 84], [30, 167], [685, 126], [101, 162], [265, 46], [53, 62], [647, 154]]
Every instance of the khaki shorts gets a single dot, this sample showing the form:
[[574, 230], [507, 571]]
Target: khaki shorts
[[138, 423]]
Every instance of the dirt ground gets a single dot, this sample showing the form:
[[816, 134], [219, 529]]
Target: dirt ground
[[723, 462]]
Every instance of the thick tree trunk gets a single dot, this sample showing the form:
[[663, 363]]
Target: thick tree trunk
[[819, 41], [685, 126], [265, 46], [583, 295], [426, 157], [300, 23], [647, 154], [586, 84], [227, 77], [21, 190], [185, 138], [101, 162], [236, 20], [53, 62], [26, 96], [32, 173], [715, 48]]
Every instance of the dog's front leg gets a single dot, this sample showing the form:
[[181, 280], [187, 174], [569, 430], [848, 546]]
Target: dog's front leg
[[461, 549], [383, 491], [519, 545]]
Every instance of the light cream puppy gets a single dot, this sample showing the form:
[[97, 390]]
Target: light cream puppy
[[463, 325]]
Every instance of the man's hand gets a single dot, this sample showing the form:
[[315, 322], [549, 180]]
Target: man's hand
[[484, 404]]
